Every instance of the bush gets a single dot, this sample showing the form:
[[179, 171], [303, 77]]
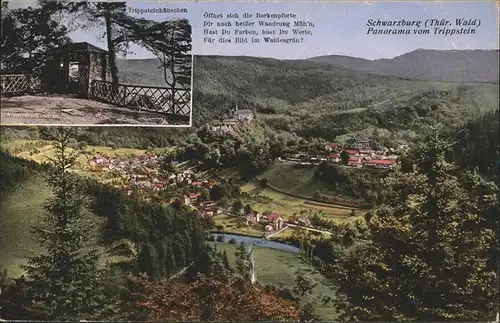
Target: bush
[[269, 288], [219, 227], [263, 183], [221, 239], [232, 241], [286, 293]]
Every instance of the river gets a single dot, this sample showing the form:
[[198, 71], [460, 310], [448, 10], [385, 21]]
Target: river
[[259, 242]]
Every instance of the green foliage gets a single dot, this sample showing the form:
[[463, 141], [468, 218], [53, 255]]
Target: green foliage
[[356, 183], [66, 281], [250, 150], [344, 157], [225, 260], [241, 257], [308, 313], [27, 33], [237, 206], [476, 143], [212, 263], [428, 258], [12, 174], [303, 285]]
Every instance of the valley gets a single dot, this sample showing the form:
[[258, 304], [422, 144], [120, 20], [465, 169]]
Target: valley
[[325, 158]]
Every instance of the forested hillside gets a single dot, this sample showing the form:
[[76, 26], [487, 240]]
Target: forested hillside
[[426, 64], [319, 99], [304, 98], [153, 231]]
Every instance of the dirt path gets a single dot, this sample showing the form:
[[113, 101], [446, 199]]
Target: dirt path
[[60, 110]]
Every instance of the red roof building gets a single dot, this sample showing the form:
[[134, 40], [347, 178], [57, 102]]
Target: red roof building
[[380, 163], [196, 184], [332, 146], [352, 152], [276, 220], [193, 195], [354, 162], [273, 217]]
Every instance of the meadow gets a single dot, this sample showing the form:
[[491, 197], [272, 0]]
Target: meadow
[[278, 268], [19, 214], [22, 209], [39, 150], [234, 224], [266, 199]]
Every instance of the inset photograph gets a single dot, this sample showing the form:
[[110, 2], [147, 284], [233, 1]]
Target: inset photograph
[[95, 64]]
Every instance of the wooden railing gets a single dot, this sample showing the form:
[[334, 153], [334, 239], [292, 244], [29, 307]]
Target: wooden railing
[[144, 98], [16, 84]]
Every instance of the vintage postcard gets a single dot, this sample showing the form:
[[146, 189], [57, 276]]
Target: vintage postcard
[[106, 64], [341, 162]]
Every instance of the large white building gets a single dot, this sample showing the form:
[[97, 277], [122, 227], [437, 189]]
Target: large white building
[[243, 115]]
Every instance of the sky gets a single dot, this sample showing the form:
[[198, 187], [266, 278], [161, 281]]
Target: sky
[[340, 28]]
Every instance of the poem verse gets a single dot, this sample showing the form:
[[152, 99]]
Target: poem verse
[[243, 28]]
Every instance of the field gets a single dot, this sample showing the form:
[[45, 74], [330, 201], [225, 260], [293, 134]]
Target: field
[[288, 232], [20, 211], [233, 224], [278, 268], [295, 180], [266, 199], [39, 150], [19, 214]]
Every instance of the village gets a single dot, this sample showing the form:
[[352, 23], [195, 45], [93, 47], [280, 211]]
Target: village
[[143, 174], [362, 152], [184, 184]]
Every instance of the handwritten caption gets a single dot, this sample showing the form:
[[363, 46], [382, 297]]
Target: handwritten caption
[[433, 26], [242, 28]]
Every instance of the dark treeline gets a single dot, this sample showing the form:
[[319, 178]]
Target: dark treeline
[[428, 252], [13, 171], [251, 150], [363, 185], [165, 238], [477, 143]]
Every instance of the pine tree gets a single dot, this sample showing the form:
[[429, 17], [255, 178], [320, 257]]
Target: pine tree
[[241, 257], [428, 258], [148, 261], [66, 281], [225, 260], [170, 41]]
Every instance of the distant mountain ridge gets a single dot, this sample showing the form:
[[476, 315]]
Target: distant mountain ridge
[[427, 64]]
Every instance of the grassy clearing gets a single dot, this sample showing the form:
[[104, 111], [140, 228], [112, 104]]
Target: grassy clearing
[[39, 150], [233, 224], [288, 232], [295, 179], [265, 199], [278, 268], [21, 210]]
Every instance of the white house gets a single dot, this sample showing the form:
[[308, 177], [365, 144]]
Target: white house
[[253, 217], [242, 115]]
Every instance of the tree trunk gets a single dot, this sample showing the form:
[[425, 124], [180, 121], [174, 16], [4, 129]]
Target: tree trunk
[[172, 72], [111, 52]]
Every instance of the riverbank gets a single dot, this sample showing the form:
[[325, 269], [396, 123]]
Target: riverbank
[[256, 241], [278, 268]]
